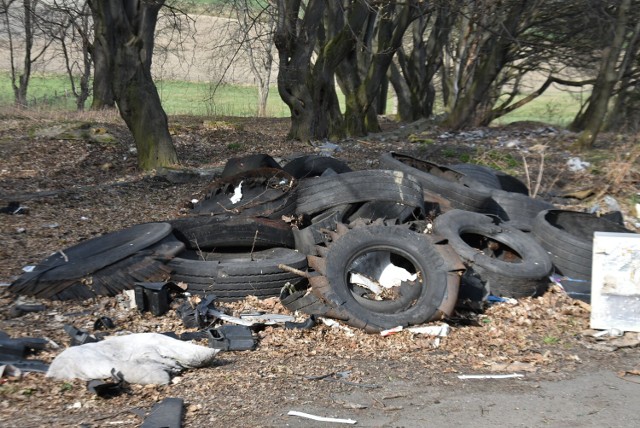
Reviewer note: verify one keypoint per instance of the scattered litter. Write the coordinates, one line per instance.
(327, 148)
(321, 418)
(237, 194)
(14, 208)
(612, 332)
(232, 338)
(21, 309)
(167, 413)
(51, 225)
(79, 337)
(496, 299)
(576, 164)
(363, 281)
(307, 324)
(391, 331)
(105, 323)
(108, 389)
(335, 324)
(154, 296)
(28, 268)
(235, 320)
(441, 330)
(129, 301)
(492, 376)
(9, 370)
(76, 405)
(268, 319)
(513, 144)
(612, 204)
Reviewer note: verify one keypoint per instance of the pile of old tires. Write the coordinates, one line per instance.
(395, 246)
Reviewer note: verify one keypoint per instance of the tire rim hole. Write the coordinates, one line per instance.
(491, 247)
(381, 275)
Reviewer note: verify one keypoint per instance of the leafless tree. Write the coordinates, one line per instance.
(20, 27)
(68, 23)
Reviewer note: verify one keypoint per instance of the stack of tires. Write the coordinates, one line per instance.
(380, 248)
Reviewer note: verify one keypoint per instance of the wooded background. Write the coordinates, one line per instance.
(476, 60)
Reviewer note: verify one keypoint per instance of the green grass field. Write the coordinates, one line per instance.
(191, 98)
(553, 107)
(178, 97)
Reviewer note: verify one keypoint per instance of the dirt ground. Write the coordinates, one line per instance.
(77, 187)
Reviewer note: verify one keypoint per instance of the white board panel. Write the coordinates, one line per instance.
(615, 281)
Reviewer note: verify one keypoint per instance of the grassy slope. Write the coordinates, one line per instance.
(181, 97)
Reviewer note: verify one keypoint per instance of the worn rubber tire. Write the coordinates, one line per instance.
(266, 192)
(568, 237)
(442, 181)
(90, 256)
(234, 276)
(314, 166)
(420, 252)
(322, 193)
(516, 209)
(145, 265)
(526, 276)
(215, 232)
(484, 176)
(247, 163)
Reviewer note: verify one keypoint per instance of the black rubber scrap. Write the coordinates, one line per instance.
(480, 176)
(508, 260)
(224, 231)
(322, 193)
(90, 255)
(74, 283)
(444, 182)
(168, 413)
(247, 163)
(314, 166)
(265, 192)
(237, 275)
(515, 208)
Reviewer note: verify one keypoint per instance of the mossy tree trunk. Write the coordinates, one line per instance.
(592, 120)
(364, 71)
(307, 88)
(129, 29)
(102, 51)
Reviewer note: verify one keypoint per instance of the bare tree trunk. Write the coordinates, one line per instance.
(363, 74)
(102, 51)
(422, 63)
(625, 113)
(258, 28)
(592, 120)
(131, 32)
(307, 89)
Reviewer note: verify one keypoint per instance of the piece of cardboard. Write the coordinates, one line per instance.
(615, 282)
